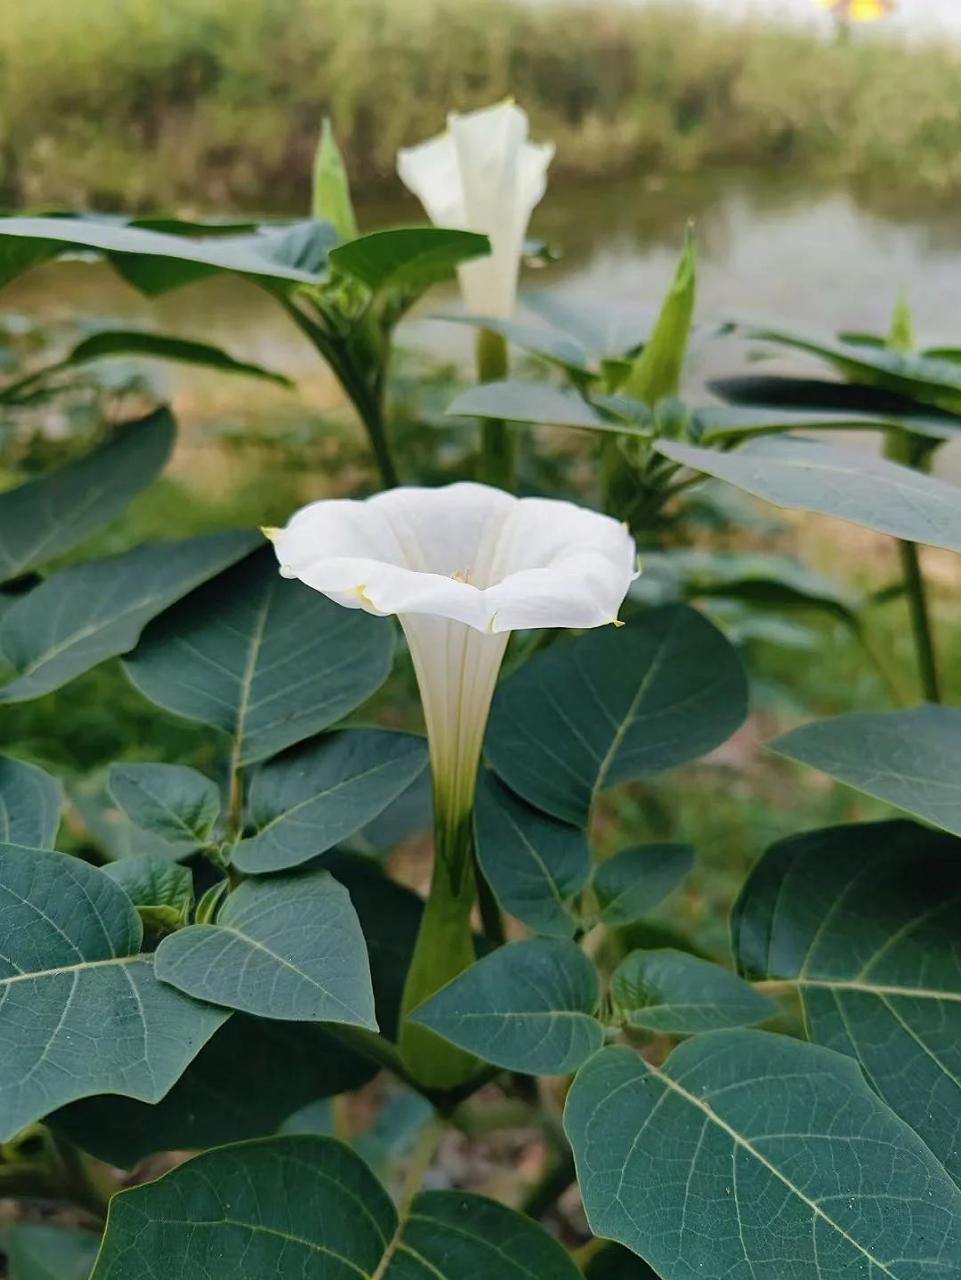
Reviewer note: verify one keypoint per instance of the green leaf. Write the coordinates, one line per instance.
(309, 1207)
(262, 657)
(614, 705)
(331, 197)
(37, 1252)
(850, 484)
(605, 330)
(633, 882)
(162, 892)
(533, 863)
(408, 259)
(390, 918)
(310, 799)
(863, 920)
(288, 948)
(30, 804)
(907, 758)
(836, 397)
(657, 371)
(221, 1097)
(81, 1012)
(751, 1155)
(921, 378)
(558, 348)
(94, 611)
(40, 239)
(677, 993)
(758, 578)
(172, 801)
(531, 402)
(48, 516)
(723, 425)
(160, 346)
(527, 1007)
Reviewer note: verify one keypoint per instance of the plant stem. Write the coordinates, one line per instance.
(443, 950)
(368, 401)
(915, 590)
(914, 451)
(498, 446)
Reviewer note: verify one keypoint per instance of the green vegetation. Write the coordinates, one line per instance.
(200, 104)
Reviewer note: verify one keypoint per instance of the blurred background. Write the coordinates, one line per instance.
(815, 144)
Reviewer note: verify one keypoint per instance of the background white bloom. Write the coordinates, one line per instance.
(482, 175)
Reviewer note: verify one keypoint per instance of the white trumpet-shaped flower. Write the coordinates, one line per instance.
(482, 175)
(461, 567)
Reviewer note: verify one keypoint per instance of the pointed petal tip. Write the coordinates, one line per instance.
(270, 533)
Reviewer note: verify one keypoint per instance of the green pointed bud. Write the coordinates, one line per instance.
(331, 198)
(901, 334)
(656, 372)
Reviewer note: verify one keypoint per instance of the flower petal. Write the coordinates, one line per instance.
(432, 173)
(465, 552)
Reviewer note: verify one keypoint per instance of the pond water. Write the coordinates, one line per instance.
(769, 249)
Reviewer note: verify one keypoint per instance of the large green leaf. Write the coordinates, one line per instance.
(528, 1007)
(751, 1155)
(864, 920)
(81, 1012)
(614, 705)
(171, 801)
(408, 259)
(534, 863)
(30, 804)
(289, 948)
(90, 612)
(854, 485)
(27, 241)
(675, 992)
(634, 881)
(162, 346)
(50, 515)
(309, 1207)
(534, 402)
(37, 1252)
(313, 797)
(911, 759)
(244, 1083)
(264, 658)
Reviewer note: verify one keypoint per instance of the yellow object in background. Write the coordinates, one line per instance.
(857, 10)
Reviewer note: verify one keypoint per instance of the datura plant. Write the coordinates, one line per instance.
(237, 1037)
(461, 567)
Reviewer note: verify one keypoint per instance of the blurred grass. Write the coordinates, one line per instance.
(215, 104)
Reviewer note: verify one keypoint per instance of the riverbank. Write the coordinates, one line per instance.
(214, 104)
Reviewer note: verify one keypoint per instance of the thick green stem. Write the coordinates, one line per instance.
(498, 445)
(444, 949)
